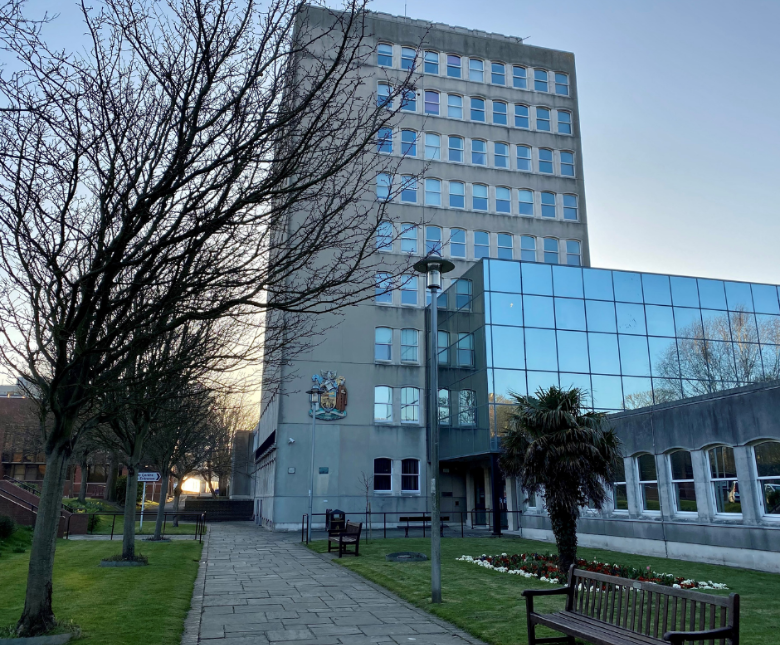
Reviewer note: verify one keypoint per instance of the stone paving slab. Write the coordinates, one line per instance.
(262, 588)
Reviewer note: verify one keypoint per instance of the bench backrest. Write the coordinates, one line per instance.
(353, 528)
(647, 608)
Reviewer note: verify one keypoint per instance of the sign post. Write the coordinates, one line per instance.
(146, 477)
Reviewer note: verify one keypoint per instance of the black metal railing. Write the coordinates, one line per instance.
(33, 490)
(474, 519)
(94, 519)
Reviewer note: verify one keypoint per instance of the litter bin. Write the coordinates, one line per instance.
(335, 520)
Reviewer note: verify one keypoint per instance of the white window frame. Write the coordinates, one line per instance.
(410, 405)
(481, 246)
(557, 252)
(566, 164)
(527, 116)
(516, 79)
(453, 233)
(429, 249)
(408, 184)
(426, 102)
(486, 197)
(410, 284)
(578, 254)
(410, 233)
(675, 482)
(459, 66)
(483, 152)
(454, 108)
(406, 58)
(431, 183)
(384, 237)
(378, 45)
(546, 80)
(772, 517)
(405, 334)
(497, 156)
(500, 246)
(641, 483)
(567, 84)
(566, 123)
(450, 194)
(505, 113)
(548, 120)
(502, 74)
(476, 67)
(432, 146)
(383, 491)
(461, 150)
(713, 480)
(427, 62)
(385, 345)
(388, 405)
(415, 475)
(508, 200)
(524, 250)
(483, 111)
(407, 145)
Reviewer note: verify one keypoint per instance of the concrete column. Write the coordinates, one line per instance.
(746, 475)
(701, 477)
(469, 497)
(511, 503)
(395, 477)
(632, 488)
(665, 492)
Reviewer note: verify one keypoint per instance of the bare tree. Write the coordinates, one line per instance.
(194, 161)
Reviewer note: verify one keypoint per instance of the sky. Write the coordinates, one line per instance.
(679, 104)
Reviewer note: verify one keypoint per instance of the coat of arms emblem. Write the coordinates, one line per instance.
(333, 400)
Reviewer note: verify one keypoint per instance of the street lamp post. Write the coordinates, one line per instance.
(434, 267)
(314, 399)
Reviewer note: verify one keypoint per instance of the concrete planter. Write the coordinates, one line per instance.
(38, 640)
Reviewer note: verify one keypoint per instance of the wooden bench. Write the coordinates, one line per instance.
(420, 519)
(607, 610)
(350, 535)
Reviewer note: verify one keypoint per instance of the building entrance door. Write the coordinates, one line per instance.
(480, 517)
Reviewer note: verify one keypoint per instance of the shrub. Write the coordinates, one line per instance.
(7, 527)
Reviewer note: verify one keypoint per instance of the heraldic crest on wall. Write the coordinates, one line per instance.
(333, 400)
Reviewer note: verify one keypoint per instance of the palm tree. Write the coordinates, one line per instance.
(562, 452)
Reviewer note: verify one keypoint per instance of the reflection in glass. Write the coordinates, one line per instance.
(573, 351)
(567, 281)
(770, 357)
(619, 489)
(663, 357)
(541, 381)
(765, 299)
(738, 296)
(538, 311)
(723, 475)
(506, 309)
(648, 483)
(768, 328)
(540, 351)
(712, 294)
(537, 279)
(685, 292)
(768, 469)
(634, 357)
(581, 381)
(656, 289)
(508, 347)
(601, 316)
(660, 320)
(682, 481)
(666, 390)
(504, 276)
(630, 318)
(743, 327)
(506, 382)
(748, 362)
(687, 322)
(569, 314)
(604, 357)
(607, 392)
(628, 286)
(598, 284)
(715, 324)
(637, 392)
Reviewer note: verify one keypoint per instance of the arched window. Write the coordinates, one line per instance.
(409, 238)
(455, 149)
(481, 244)
(564, 122)
(570, 208)
(561, 83)
(619, 489)
(501, 155)
(522, 117)
(567, 163)
(519, 77)
(409, 289)
(543, 119)
(526, 201)
(503, 200)
(457, 243)
(540, 80)
(682, 482)
(384, 140)
(384, 236)
(431, 102)
(498, 73)
(383, 344)
(499, 113)
(431, 62)
(432, 240)
(410, 405)
(768, 468)
(383, 290)
(524, 158)
(723, 480)
(479, 197)
(573, 253)
(462, 294)
(551, 250)
(648, 482)
(383, 475)
(505, 244)
(383, 186)
(457, 194)
(444, 407)
(410, 476)
(453, 66)
(528, 248)
(409, 189)
(383, 403)
(409, 101)
(432, 146)
(477, 109)
(454, 106)
(546, 161)
(476, 70)
(383, 98)
(479, 152)
(384, 55)
(408, 56)
(548, 205)
(410, 344)
(433, 192)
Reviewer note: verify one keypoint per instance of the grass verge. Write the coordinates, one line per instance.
(121, 606)
(488, 604)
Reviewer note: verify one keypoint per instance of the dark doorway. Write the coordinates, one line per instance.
(480, 516)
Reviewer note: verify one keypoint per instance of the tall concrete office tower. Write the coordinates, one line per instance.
(490, 165)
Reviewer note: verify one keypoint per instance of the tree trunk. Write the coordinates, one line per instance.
(38, 615)
(564, 527)
(176, 499)
(223, 485)
(161, 508)
(113, 473)
(128, 531)
(83, 488)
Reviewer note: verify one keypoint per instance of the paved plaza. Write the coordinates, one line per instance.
(256, 587)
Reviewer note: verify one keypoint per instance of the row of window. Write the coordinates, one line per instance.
(478, 109)
(456, 243)
(460, 352)
(383, 475)
(473, 69)
(479, 152)
(465, 402)
(478, 197)
(722, 484)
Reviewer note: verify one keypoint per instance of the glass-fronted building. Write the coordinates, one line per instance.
(629, 340)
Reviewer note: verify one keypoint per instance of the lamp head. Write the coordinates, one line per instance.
(434, 267)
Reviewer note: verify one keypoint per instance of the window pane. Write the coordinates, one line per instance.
(431, 102)
(526, 201)
(498, 74)
(456, 149)
(457, 194)
(453, 66)
(501, 155)
(479, 197)
(520, 77)
(476, 70)
(768, 459)
(543, 119)
(522, 118)
(431, 63)
(481, 244)
(477, 109)
(409, 189)
(384, 140)
(458, 243)
(682, 468)
(479, 152)
(564, 122)
(499, 113)
(433, 192)
(409, 143)
(540, 80)
(454, 106)
(561, 84)
(384, 55)
(647, 471)
(722, 462)
(407, 58)
(432, 146)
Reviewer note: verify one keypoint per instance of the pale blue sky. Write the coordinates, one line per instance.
(679, 106)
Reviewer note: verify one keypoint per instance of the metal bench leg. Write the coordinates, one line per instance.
(341, 547)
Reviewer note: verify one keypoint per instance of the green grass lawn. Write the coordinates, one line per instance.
(121, 606)
(489, 606)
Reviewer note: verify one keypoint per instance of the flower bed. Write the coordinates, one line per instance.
(544, 566)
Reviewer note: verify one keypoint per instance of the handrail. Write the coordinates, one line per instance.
(31, 489)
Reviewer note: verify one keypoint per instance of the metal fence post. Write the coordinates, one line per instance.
(113, 522)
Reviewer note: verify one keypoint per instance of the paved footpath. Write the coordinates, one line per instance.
(256, 587)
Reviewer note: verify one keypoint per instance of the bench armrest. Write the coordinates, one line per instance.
(528, 593)
(677, 638)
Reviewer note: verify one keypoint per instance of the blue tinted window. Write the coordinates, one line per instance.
(541, 381)
(601, 316)
(569, 314)
(660, 320)
(637, 392)
(630, 318)
(540, 350)
(598, 284)
(604, 357)
(685, 293)
(765, 299)
(738, 296)
(508, 347)
(628, 287)
(712, 294)
(537, 279)
(770, 357)
(715, 324)
(567, 281)
(663, 357)
(634, 358)
(687, 322)
(504, 276)
(538, 311)
(507, 382)
(666, 390)
(607, 392)
(573, 351)
(506, 309)
(581, 381)
(768, 328)
(656, 289)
